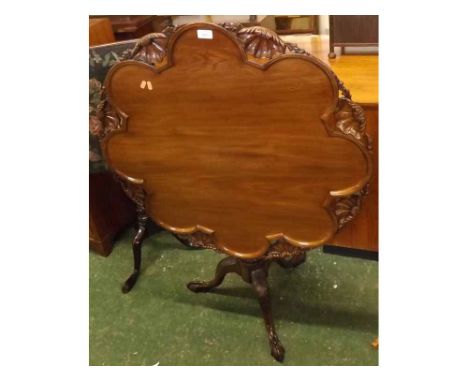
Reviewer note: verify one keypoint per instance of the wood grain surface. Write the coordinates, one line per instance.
(227, 145)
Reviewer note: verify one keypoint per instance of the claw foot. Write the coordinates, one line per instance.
(129, 284)
(198, 286)
(277, 350)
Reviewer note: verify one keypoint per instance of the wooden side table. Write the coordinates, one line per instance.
(130, 27)
(296, 24)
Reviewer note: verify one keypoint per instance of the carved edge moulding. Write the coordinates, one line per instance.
(261, 47)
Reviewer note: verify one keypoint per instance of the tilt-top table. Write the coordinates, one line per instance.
(235, 140)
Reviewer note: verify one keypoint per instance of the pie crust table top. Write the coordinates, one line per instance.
(236, 136)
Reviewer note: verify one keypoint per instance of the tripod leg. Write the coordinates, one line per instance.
(137, 241)
(260, 285)
(225, 266)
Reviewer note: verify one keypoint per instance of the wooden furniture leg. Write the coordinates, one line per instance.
(260, 286)
(137, 241)
(225, 266)
(332, 53)
(256, 274)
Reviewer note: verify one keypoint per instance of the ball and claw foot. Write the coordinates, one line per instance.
(277, 350)
(198, 286)
(130, 283)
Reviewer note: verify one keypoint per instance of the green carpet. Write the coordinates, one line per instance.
(326, 310)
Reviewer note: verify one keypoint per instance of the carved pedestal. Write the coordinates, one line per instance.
(255, 273)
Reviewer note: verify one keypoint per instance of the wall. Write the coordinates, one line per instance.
(178, 20)
(323, 20)
(324, 24)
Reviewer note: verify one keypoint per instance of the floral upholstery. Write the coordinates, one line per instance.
(101, 59)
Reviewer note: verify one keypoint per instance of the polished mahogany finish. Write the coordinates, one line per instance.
(248, 151)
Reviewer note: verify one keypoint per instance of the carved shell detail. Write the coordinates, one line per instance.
(342, 88)
(170, 30)
(346, 208)
(351, 120)
(133, 191)
(281, 249)
(108, 116)
(293, 48)
(231, 27)
(257, 41)
(151, 48)
(198, 239)
(261, 42)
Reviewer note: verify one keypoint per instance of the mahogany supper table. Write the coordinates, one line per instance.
(235, 140)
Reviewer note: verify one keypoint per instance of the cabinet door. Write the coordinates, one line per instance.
(356, 29)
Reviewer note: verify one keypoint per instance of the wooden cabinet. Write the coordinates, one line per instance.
(130, 27)
(110, 211)
(296, 24)
(100, 32)
(353, 31)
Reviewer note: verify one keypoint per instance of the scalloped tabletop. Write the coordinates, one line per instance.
(222, 145)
